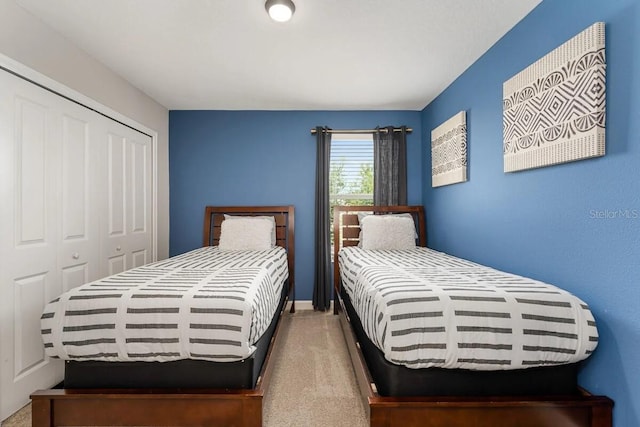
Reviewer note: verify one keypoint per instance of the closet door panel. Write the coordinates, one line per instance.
(128, 236)
(75, 178)
(140, 213)
(140, 257)
(74, 276)
(32, 200)
(81, 185)
(116, 264)
(31, 166)
(117, 184)
(33, 267)
(30, 139)
(116, 223)
(79, 256)
(29, 300)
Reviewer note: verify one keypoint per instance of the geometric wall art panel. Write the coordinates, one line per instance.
(554, 110)
(449, 151)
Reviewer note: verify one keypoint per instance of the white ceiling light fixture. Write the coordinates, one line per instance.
(280, 10)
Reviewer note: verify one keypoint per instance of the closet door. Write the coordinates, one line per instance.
(127, 237)
(30, 137)
(75, 206)
(82, 180)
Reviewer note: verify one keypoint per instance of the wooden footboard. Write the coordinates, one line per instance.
(582, 410)
(147, 408)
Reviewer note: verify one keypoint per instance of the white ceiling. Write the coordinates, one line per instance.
(333, 54)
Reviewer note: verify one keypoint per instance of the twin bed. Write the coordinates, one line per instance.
(440, 341)
(183, 341)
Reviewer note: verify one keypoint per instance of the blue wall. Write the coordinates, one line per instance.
(546, 223)
(262, 158)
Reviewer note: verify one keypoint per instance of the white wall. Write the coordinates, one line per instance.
(27, 40)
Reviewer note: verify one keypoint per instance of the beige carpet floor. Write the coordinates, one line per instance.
(22, 418)
(313, 384)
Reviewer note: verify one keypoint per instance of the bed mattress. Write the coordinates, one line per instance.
(425, 309)
(186, 373)
(395, 380)
(205, 304)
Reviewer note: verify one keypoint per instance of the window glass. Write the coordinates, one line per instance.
(351, 171)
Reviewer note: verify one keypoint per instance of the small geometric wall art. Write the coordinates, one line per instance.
(449, 151)
(554, 110)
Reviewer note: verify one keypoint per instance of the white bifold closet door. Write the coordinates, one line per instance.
(127, 238)
(75, 206)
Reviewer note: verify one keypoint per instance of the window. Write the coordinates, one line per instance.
(350, 172)
(351, 169)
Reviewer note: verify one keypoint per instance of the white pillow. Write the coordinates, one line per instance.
(270, 218)
(362, 215)
(387, 232)
(248, 233)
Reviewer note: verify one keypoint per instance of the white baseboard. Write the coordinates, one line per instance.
(305, 305)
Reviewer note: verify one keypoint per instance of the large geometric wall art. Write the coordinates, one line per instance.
(554, 110)
(449, 151)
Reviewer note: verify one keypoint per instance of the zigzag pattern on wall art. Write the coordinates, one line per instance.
(554, 110)
(449, 151)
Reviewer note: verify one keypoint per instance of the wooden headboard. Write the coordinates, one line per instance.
(346, 230)
(285, 225)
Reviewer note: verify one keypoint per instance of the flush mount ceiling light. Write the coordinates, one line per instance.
(280, 10)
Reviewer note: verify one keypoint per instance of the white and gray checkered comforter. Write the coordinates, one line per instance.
(424, 308)
(205, 304)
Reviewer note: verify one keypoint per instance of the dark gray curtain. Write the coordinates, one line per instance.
(322, 283)
(390, 167)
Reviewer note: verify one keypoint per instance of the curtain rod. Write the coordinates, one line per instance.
(383, 130)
